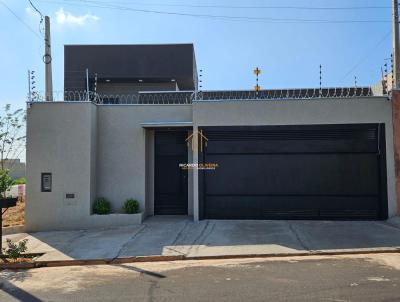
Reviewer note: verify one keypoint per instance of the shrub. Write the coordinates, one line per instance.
(15, 250)
(5, 182)
(20, 181)
(131, 206)
(101, 206)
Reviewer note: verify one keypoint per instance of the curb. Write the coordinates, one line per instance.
(302, 254)
(135, 259)
(110, 261)
(16, 229)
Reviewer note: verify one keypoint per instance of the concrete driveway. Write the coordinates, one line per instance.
(164, 235)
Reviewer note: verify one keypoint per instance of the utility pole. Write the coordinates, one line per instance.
(47, 61)
(396, 53)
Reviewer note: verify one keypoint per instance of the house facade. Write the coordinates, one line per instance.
(16, 167)
(132, 124)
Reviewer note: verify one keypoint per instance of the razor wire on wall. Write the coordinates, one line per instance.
(187, 97)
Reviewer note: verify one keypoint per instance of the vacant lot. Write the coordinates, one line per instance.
(16, 215)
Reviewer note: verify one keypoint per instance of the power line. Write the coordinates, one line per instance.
(34, 7)
(220, 17)
(21, 20)
(362, 60)
(241, 6)
(41, 17)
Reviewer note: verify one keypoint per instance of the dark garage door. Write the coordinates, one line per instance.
(294, 172)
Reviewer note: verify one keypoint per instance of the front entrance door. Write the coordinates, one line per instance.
(171, 182)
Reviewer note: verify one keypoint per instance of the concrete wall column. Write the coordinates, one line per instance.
(149, 164)
(195, 177)
(190, 180)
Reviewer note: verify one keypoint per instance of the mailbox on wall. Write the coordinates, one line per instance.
(46, 182)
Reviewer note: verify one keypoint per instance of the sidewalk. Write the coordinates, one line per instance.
(176, 236)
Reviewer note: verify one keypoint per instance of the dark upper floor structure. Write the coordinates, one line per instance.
(161, 73)
(127, 69)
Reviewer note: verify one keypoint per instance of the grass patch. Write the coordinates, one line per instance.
(16, 215)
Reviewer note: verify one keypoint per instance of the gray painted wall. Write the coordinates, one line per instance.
(60, 140)
(103, 150)
(121, 160)
(92, 151)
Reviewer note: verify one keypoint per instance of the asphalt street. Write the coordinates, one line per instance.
(340, 278)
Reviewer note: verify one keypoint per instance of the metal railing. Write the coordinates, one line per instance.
(187, 97)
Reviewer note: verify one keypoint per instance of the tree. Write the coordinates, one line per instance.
(12, 136)
(12, 144)
(5, 182)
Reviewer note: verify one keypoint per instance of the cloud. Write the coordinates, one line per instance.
(64, 17)
(29, 11)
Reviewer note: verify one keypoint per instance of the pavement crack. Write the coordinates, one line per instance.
(205, 232)
(142, 228)
(201, 233)
(81, 234)
(180, 233)
(205, 236)
(293, 230)
(174, 250)
(152, 288)
(388, 225)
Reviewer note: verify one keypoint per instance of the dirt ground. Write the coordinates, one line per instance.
(16, 215)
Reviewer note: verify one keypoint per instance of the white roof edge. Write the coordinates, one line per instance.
(166, 124)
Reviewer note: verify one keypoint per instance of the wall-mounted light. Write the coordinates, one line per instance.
(108, 80)
(173, 80)
(140, 81)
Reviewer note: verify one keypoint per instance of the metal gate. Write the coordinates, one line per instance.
(170, 181)
(294, 172)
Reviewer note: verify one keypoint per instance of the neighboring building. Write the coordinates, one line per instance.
(276, 154)
(384, 85)
(16, 167)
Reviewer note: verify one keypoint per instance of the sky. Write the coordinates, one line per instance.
(288, 51)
